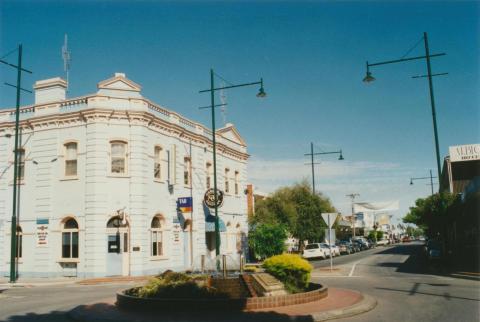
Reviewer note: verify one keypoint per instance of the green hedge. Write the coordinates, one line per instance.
(176, 285)
(292, 270)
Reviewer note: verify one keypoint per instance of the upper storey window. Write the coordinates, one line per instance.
(118, 157)
(70, 159)
(227, 178)
(157, 167)
(186, 171)
(21, 165)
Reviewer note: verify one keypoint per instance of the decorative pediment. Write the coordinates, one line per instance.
(230, 132)
(119, 82)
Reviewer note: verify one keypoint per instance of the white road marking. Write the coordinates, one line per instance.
(353, 269)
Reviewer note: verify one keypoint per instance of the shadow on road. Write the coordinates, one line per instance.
(416, 263)
(415, 291)
(109, 313)
(54, 316)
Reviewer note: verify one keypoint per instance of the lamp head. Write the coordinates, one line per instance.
(368, 78)
(341, 156)
(261, 91)
(411, 182)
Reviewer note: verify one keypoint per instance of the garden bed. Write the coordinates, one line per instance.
(314, 293)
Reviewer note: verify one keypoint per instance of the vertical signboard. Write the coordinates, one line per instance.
(42, 232)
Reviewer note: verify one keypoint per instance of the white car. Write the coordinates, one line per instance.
(383, 242)
(314, 250)
(335, 249)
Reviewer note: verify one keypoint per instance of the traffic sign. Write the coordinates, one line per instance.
(329, 218)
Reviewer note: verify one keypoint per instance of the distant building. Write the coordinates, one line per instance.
(461, 176)
(105, 181)
(460, 167)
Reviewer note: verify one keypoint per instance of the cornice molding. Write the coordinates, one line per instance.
(139, 118)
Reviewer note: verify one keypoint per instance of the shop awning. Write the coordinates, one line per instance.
(210, 224)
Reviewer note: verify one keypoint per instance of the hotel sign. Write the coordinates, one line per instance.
(467, 152)
(209, 198)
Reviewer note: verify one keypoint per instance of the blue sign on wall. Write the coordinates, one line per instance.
(184, 204)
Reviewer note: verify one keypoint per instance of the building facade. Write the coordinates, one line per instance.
(101, 178)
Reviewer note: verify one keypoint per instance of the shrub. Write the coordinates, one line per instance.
(292, 270)
(267, 240)
(176, 285)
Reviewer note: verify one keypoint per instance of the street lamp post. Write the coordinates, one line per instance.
(354, 217)
(431, 177)
(261, 93)
(13, 243)
(312, 154)
(369, 78)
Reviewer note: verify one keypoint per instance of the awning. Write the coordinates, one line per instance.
(210, 224)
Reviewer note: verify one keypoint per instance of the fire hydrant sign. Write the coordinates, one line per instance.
(42, 232)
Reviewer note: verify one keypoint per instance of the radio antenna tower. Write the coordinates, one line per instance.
(223, 100)
(66, 58)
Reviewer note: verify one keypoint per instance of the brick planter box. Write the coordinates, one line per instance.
(128, 302)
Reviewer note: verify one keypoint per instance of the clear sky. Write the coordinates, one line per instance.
(312, 57)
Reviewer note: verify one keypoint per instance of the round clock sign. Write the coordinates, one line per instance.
(209, 198)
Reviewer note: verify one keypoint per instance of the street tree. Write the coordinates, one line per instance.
(267, 239)
(298, 209)
(430, 214)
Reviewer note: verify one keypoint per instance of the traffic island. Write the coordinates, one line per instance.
(338, 304)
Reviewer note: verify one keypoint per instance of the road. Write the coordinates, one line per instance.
(404, 285)
(399, 277)
(51, 303)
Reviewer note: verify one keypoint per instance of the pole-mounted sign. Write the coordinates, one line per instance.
(329, 218)
(209, 198)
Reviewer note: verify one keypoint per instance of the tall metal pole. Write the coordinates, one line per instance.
(191, 198)
(313, 168)
(13, 243)
(432, 102)
(431, 180)
(352, 196)
(212, 97)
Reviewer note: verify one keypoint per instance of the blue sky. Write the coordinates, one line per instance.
(312, 57)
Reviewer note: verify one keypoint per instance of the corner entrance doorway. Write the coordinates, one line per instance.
(117, 247)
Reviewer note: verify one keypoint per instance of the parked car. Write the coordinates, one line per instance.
(405, 239)
(433, 249)
(326, 247)
(360, 244)
(383, 242)
(346, 247)
(336, 250)
(314, 251)
(371, 243)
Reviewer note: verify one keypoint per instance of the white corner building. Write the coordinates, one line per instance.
(100, 180)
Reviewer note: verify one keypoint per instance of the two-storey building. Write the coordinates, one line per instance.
(100, 177)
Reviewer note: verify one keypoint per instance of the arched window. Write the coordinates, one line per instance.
(70, 239)
(157, 168)
(70, 159)
(157, 228)
(118, 156)
(19, 242)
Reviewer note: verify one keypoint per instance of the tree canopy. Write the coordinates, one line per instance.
(430, 213)
(298, 209)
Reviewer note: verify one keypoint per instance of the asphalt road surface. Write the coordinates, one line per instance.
(399, 277)
(406, 286)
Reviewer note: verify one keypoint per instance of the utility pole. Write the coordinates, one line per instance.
(13, 243)
(354, 218)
